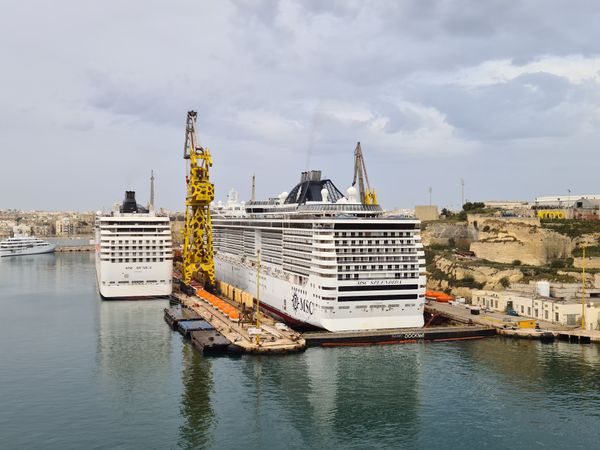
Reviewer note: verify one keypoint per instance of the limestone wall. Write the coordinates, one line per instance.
(505, 240)
(590, 263)
(441, 232)
(489, 277)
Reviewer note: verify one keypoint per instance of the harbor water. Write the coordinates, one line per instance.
(77, 372)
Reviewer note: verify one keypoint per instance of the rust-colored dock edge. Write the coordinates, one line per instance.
(395, 336)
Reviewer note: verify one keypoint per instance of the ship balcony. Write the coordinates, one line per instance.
(328, 245)
(324, 254)
(319, 270)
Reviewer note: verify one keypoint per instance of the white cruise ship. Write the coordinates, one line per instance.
(134, 255)
(326, 260)
(25, 245)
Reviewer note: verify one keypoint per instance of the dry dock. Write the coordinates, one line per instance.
(272, 338)
(396, 336)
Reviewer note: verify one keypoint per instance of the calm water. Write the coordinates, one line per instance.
(76, 372)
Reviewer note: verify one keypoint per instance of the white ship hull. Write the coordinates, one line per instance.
(133, 280)
(325, 260)
(48, 248)
(298, 305)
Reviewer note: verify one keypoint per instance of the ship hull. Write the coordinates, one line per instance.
(50, 248)
(299, 306)
(144, 280)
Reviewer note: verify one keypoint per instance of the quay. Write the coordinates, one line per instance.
(74, 248)
(506, 325)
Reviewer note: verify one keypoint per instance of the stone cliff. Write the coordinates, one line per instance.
(505, 240)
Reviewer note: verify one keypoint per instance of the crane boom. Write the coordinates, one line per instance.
(197, 242)
(367, 195)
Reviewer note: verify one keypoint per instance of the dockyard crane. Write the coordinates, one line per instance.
(197, 241)
(368, 195)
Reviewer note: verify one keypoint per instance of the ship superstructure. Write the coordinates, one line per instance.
(134, 255)
(326, 259)
(25, 245)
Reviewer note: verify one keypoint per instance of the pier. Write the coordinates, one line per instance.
(506, 325)
(234, 336)
(74, 248)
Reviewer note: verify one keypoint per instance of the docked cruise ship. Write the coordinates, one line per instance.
(25, 245)
(134, 255)
(326, 260)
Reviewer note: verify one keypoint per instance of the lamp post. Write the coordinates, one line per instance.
(583, 289)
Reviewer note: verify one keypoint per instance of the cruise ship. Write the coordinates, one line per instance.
(25, 245)
(134, 255)
(326, 260)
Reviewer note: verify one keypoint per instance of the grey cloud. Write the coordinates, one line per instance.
(531, 105)
(118, 80)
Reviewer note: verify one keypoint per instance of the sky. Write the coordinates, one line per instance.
(501, 93)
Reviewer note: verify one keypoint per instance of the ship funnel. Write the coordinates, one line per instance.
(129, 204)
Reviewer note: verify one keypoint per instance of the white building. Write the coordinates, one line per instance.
(555, 310)
(562, 201)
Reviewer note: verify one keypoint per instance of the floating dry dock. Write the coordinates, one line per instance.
(239, 337)
(212, 331)
(395, 336)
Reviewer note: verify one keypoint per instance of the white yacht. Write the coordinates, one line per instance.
(326, 260)
(25, 245)
(134, 255)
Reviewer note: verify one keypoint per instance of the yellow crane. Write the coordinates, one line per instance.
(197, 240)
(367, 195)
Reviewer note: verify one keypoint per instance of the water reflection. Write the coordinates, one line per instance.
(326, 397)
(132, 342)
(558, 368)
(196, 407)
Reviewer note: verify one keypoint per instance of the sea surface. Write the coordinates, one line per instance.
(80, 373)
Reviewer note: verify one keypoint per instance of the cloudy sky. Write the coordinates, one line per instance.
(502, 93)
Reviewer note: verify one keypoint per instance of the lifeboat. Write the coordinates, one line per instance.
(438, 296)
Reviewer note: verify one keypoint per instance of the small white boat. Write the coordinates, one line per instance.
(25, 245)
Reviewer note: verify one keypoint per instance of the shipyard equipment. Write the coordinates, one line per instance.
(367, 194)
(197, 241)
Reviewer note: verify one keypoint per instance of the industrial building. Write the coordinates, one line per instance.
(564, 308)
(561, 201)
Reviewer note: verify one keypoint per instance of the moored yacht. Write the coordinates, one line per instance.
(25, 245)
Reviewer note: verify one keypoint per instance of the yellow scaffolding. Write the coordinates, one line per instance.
(197, 241)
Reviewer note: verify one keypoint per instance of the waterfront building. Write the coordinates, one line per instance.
(561, 311)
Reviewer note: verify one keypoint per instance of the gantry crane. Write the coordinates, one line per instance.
(197, 241)
(368, 195)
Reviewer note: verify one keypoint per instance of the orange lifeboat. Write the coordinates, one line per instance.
(444, 298)
(438, 296)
